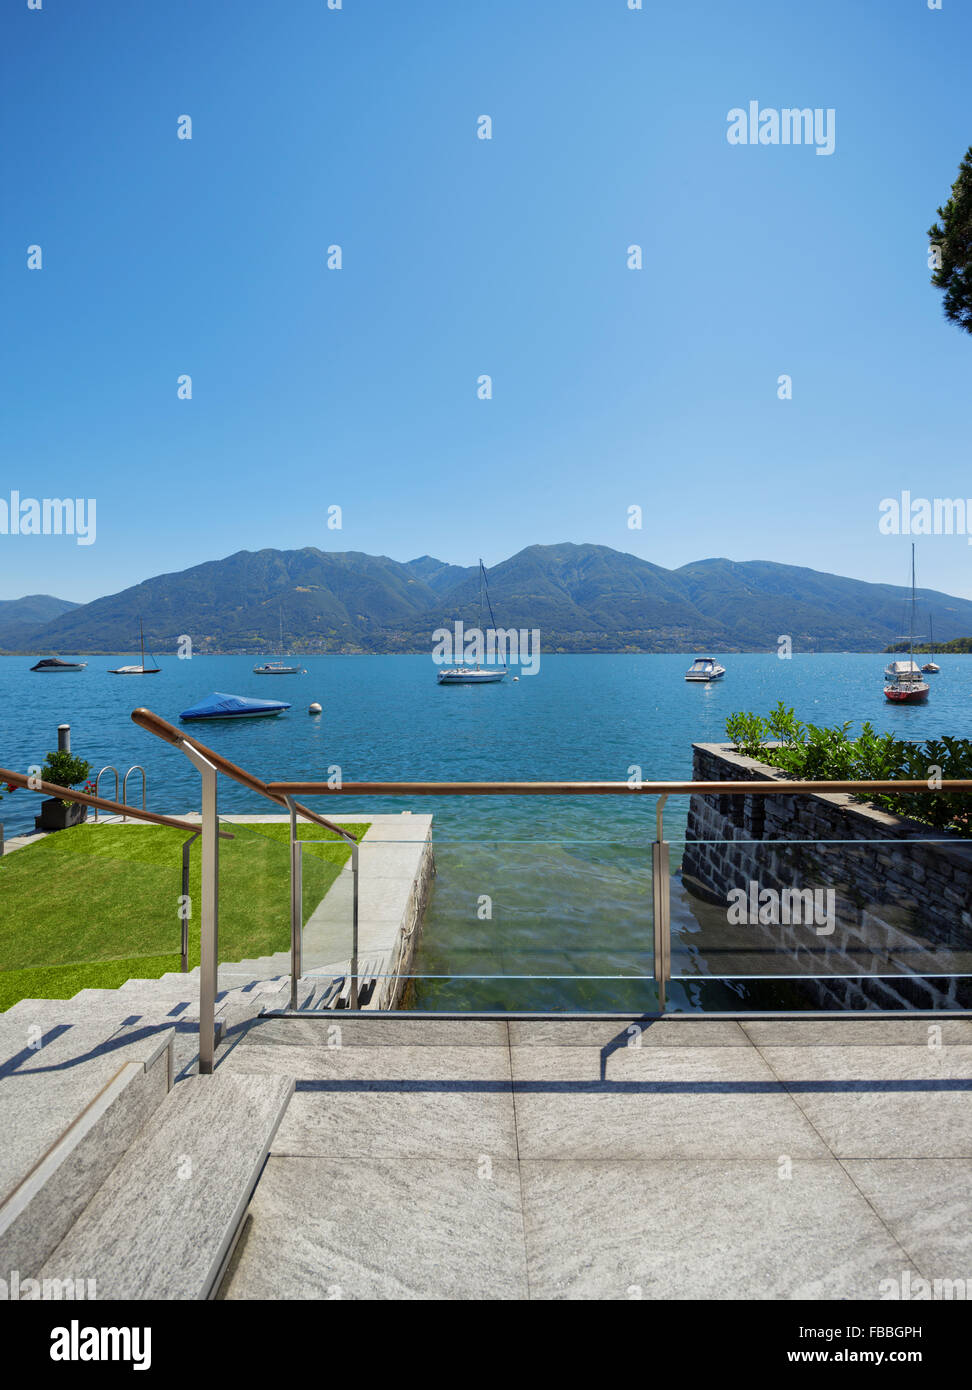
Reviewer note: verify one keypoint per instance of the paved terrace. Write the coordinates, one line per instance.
(399, 1157)
(716, 1159)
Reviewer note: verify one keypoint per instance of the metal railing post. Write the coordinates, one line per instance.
(661, 888)
(296, 904)
(209, 911)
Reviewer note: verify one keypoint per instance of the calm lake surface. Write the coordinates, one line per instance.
(542, 862)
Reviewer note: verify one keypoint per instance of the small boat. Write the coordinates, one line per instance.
(277, 668)
(219, 705)
(705, 668)
(476, 675)
(905, 685)
(930, 668)
(54, 663)
(470, 675)
(141, 669)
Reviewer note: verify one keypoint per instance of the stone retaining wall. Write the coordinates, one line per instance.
(393, 989)
(903, 904)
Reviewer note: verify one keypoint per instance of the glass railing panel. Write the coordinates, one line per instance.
(91, 907)
(497, 925)
(327, 908)
(850, 924)
(254, 898)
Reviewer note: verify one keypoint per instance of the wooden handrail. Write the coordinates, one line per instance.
(782, 788)
(155, 724)
(18, 779)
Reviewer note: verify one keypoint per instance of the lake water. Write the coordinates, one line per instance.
(384, 718)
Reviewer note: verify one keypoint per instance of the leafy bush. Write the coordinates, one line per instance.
(813, 753)
(64, 770)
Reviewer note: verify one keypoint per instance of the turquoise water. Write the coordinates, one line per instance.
(385, 718)
(576, 902)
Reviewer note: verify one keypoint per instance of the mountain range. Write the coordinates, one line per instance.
(582, 598)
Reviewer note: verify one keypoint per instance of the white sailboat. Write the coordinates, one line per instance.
(476, 675)
(931, 668)
(141, 669)
(905, 685)
(277, 668)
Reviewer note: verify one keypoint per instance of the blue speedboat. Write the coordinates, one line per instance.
(222, 706)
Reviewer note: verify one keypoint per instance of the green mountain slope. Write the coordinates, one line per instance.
(581, 597)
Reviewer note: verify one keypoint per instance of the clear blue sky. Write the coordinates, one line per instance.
(461, 257)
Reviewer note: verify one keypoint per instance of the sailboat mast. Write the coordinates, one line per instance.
(912, 635)
(141, 642)
(482, 573)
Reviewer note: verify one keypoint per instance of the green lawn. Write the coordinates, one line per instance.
(93, 906)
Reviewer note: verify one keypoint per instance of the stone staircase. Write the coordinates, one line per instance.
(120, 1164)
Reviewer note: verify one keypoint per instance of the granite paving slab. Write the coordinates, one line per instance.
(654, 1102)
(725, 1229)
(635, 1032)
(882, 1102)
(926, 1204)
(385, 1031)
(856, 1032)
(426, 1228)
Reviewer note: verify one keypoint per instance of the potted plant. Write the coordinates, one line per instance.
(64, 770)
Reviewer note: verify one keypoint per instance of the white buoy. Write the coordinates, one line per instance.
(516, 678)
(314, 708)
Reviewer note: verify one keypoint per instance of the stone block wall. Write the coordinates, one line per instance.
(903, 898)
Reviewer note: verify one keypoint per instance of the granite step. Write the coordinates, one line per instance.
(72, 1096)
(163, 1224)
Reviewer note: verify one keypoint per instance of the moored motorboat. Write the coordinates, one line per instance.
(470, 675)
(705, 668)
(219, 705)
(54, 663)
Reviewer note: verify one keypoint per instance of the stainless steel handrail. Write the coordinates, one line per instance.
(107, 768)
(136, 767)
(100, 803)
(210, 763)
(284, 793)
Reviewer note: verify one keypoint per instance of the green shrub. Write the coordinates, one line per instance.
(813, 754)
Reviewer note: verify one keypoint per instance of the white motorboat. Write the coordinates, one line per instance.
(470, 675)
(705, 668)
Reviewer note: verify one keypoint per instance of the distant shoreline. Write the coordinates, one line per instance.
(626, 651)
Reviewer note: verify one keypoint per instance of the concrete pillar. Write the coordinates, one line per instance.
(64, 738)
